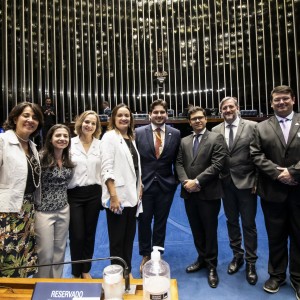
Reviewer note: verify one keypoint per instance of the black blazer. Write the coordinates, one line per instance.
(269, 150)
(239, 165)
(206, 166)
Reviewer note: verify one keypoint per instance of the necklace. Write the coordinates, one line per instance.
(35, 169)
(23, 140)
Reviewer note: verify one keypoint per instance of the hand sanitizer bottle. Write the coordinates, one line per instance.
(156, 277)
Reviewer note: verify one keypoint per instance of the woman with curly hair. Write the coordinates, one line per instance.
(20, 176)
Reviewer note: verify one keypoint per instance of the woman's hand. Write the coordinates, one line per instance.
(114, 204)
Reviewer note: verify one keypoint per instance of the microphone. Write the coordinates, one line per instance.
(125, 273)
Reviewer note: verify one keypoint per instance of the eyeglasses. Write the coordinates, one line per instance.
(284, 99)
(197, 118)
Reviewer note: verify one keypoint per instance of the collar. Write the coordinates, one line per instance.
(289, 117)
(162, 128)
(201, 132)
(234, 123)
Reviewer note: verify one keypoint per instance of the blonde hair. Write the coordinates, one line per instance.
(80, 120)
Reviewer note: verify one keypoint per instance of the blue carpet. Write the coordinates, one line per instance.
(180, 252)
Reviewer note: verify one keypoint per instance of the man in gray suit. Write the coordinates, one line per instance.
(158, 145)
(239, 183)
(199, 162)
(276, 152)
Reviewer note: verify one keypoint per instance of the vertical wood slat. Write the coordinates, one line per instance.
(41, 60)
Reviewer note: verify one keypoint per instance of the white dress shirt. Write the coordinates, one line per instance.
(87, 169)
(235, 125)
(162, 134)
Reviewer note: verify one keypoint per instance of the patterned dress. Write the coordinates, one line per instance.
(17, 236)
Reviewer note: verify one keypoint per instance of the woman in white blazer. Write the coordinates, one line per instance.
(20, 176)
(121, 177)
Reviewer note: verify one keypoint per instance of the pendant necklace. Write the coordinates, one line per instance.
(35, 169)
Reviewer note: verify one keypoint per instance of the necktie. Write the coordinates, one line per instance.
(196, 144)
(285, 126)
(230, 141)
(158, 143)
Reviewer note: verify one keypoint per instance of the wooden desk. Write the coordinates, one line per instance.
(22, 288)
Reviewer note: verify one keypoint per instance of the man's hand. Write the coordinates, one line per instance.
(191, 186)
(285, 176)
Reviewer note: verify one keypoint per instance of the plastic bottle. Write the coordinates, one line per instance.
(156, 277)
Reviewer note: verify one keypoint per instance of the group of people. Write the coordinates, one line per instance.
(235, 162)
(134, 173)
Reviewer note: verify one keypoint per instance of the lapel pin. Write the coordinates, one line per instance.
(297, 124)
(170, 133)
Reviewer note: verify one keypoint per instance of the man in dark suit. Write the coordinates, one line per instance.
(106, 108)
(239, 184)
(49, 117)
(276, 152)
(158, 145)
(200, 160)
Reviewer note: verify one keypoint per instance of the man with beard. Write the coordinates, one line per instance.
(158, 145)
(239, 184)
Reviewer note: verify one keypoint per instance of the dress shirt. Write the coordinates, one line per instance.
(199, 135)
(162, 134)
(235, 125)
(285, 124)
(87, 169)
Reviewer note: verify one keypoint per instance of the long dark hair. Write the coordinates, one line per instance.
(47, 153)
(17, 111)
(112, 120)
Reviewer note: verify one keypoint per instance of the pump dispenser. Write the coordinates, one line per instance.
(156, 277)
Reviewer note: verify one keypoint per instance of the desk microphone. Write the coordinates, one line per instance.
(125, 273)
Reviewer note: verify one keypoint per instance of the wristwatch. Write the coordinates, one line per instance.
(197, 183)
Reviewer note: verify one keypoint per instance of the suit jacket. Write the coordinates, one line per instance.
(117, 164)
(162, 168)
(269, 151)
(239, 164)
(205, 166)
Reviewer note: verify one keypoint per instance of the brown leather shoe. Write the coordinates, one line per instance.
(144, 260)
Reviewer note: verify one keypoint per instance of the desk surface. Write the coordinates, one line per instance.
(22, 288)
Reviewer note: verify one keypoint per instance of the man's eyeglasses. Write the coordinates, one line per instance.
(284, 99)
(197, 118)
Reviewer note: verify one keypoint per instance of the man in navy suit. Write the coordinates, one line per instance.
(200, 159)
(276, 153)
(158, 145)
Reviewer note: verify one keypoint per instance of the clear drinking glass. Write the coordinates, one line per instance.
(113, 282)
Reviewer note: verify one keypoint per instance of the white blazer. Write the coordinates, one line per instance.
(13, 172)
(117, 164)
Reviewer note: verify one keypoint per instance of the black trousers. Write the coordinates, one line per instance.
(121, 233)
(283, 223)
(156, 205)
(241, 203)
(203, 219)
(85, 205)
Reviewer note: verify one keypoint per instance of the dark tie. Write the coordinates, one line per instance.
(285, 128)
(230, 141)
(196, 144)
(158, 142)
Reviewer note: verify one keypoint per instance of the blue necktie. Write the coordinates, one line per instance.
(196, 144)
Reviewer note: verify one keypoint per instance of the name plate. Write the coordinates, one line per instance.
(67, 290)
